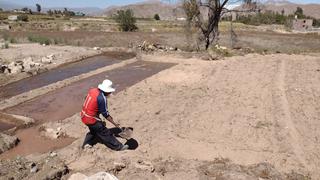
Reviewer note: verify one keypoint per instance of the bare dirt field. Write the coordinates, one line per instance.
(249, 109)
(259, 41)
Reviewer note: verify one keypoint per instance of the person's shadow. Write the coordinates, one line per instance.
(132, 143)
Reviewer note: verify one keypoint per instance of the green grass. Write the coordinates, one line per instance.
(39, 39)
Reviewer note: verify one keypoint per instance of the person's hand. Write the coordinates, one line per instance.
(117, 125)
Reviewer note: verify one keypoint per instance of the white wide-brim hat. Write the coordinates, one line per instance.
(106, 86)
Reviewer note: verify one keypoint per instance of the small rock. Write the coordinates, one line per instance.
(3, 68)
(97, 48)
(57, 171)
(46, 60)
(87, 146)
(145, 166)
(28, 64)
(33, 168)
(118, 166)
(7, 142)
(53, 154)
(53, 133)
(172, 48)
(15, 67)
(102, 176)
(78, 176)
(35, 71)
(37, 64)
(151, 47)
(51, 56)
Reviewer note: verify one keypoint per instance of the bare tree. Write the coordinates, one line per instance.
(209, 26)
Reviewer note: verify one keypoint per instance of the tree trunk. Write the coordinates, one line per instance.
(207, 42)
(211, 37)
(215, 33)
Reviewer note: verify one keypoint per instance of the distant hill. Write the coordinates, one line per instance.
(149, 9)
(171, 11)
(6, 5)
(168, 11)
(92, 11)
(312, 10)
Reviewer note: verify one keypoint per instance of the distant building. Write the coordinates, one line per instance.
(79, 14)
(302, 24)
(13, 18)
(19, 11)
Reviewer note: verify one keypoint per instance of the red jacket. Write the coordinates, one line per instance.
(95, 104)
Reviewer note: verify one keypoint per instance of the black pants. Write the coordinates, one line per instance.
(100, 134)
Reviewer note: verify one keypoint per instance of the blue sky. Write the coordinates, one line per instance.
(98, 3)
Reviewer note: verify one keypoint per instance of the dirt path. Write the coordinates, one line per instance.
(294, 137)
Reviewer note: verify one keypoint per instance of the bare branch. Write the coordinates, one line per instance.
(216, 8)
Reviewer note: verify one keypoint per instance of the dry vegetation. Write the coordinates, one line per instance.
(104, 33)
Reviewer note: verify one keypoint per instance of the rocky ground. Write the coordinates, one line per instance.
(22, 60)
(7, 142)
(244, 117)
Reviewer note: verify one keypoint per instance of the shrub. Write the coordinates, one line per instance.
(23, 17)
(40, 40)
(156, 17)
(5, 45)
(264, 18)
(56, 41)
(13, 40)
(126, 20)
(3, 17)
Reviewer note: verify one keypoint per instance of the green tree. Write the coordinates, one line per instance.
(38, 8)
(156, 17)
(23, 17)
(299, 13)
(126, 20)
